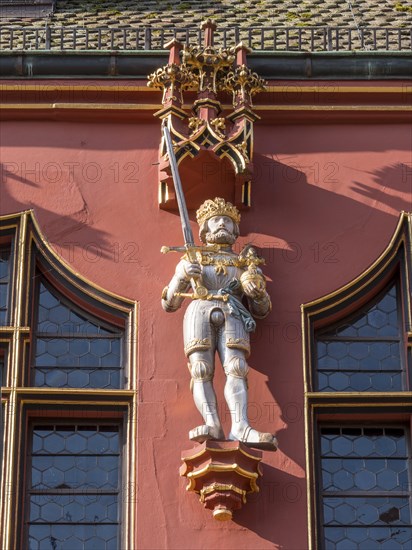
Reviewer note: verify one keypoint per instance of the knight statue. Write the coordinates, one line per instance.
(217, 320)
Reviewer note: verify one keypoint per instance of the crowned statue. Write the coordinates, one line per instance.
(217, 321)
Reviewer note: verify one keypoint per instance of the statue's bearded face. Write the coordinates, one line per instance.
(221, 230)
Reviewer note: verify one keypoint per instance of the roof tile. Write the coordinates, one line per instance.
(166, 14)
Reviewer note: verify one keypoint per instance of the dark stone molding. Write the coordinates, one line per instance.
(273, 66)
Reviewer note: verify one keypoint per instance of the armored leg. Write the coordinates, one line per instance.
(202, 370)
(236, 396)
(199, 339)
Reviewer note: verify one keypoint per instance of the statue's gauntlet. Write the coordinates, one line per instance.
(184, 271)
(257, 279)
(254, 286)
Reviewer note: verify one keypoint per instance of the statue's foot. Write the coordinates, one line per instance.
(257, 440)
(204, 432)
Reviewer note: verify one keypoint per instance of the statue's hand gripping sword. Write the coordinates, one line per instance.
(199, 291)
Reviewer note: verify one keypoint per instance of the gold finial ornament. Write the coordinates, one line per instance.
(207, 70)
(217, 207)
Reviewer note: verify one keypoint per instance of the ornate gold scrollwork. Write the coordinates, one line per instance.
(219, 126)
(208, 71)
(170, 74)
(166, 78)
(195, 123)
(243, 83)
(243, 149)
(206, 63)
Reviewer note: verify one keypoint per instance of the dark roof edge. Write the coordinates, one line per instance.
(271, 65)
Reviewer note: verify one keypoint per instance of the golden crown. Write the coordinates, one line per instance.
(217, 207)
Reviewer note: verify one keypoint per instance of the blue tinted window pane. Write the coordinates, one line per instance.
(54, 316)
(78, 352)
(358, 356)
(368, 443)
(72, 351)
(3, 297)
(359, 366)
(4, 264)
(352, 358)
(368, 538)
(360, 466)
(77, 378)
(3, 365)
(364, 474)
(74, 486)
(90, 508)
(379, 320)
(4, 284)
(72, 472)
(76, 440)
(346, 381)
(381, 511)
(71, 537)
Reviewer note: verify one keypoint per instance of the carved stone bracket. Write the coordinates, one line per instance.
(223, 473)
(206, 134)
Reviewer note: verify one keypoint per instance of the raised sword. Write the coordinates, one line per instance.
(199, 291)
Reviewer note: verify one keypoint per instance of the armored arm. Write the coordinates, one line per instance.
(180, 283)
(260, 307)
(254, 286)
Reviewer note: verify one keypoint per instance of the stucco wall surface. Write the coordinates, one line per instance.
(326, 200)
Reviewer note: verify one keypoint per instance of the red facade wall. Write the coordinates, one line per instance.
(326, 199)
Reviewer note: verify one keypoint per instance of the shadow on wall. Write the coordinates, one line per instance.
(394, 180)
(289, 205)
(280, 493)
(60, 224)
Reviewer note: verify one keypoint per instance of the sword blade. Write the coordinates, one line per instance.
(181, 203)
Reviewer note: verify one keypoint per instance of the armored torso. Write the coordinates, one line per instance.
(219, 269)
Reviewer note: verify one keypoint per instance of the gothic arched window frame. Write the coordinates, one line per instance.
(24, 405)
(347, 410)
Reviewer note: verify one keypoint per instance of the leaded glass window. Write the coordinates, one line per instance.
(3, 365)
(74, 489)
(366, 488)
(5, 257)
(64, 358)
(72, 350)
(364, 353)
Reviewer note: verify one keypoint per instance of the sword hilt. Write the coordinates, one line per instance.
(199, 290)
(203, 248)
(207, 296)
(167, 249)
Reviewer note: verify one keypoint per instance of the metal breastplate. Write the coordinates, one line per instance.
(215, 281)
(219, 269)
